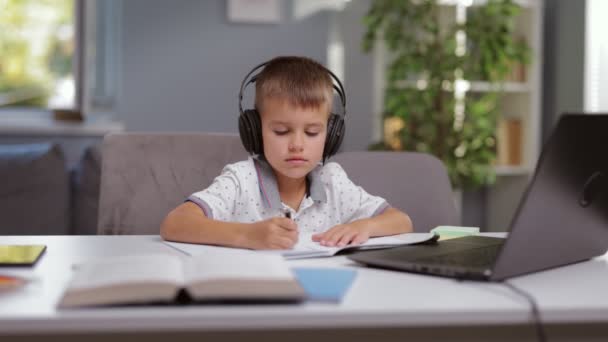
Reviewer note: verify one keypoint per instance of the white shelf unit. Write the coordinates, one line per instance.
(506, 87)
(521, 100)
(506, 170)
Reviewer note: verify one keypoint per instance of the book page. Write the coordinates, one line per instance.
(306, 246)
(195, 249)
(253, 276)
(237, 266)
(305, 242)
(157, 268)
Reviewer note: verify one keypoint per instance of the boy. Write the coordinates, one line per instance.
(267, 200)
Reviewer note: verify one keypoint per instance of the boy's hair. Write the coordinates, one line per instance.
(299, 80)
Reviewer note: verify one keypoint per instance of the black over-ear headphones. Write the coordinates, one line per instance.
(250, 125)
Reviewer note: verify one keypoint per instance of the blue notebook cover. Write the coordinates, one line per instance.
(325, 284)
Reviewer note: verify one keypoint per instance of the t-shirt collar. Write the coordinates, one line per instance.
(269, 189)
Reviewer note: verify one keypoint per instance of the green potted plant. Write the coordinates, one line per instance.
(429, 63)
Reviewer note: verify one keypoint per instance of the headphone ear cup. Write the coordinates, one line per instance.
(256, 124)
(250, 131)
(245, 132)
(335, 135)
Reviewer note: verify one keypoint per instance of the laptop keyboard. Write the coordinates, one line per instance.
(482, 257)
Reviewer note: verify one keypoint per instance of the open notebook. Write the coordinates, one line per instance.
(306, 248)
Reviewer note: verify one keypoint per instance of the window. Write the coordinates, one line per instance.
(38, 46)
(596, 56)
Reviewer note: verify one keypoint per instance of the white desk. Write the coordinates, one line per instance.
(381, 304)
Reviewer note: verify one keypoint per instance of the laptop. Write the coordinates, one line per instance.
(562, 218)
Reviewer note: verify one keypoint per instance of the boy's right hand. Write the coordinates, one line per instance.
(274, 233)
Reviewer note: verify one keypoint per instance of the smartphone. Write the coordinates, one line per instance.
(20, 255)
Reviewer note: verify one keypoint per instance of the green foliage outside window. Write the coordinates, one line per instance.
(36, 49)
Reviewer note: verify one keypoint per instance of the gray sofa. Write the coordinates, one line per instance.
(39, 195)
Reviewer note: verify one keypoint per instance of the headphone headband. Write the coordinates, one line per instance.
(244, 84)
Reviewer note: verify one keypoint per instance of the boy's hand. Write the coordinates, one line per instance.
(342, 235)
(274, 233)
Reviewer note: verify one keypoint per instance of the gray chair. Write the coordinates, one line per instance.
(145, 175)
(416, 183)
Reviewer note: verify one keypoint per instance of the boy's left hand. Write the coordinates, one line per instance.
(342, 235)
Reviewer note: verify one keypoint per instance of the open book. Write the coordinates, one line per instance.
(306, 248)
(161, 278)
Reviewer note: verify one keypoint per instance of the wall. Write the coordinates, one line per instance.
(358, 75)
(564, 60)
(183, 61)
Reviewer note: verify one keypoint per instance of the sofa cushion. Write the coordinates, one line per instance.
(34, 195)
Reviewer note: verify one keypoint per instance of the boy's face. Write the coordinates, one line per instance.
(293, 137)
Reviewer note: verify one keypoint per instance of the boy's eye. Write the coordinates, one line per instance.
(283, 132)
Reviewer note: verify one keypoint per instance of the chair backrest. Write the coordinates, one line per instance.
(415, 183)
(145, 175)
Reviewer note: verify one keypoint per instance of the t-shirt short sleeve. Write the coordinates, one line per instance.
(219, 199)
(353, 202)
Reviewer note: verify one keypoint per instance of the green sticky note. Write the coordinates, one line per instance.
(451, 232)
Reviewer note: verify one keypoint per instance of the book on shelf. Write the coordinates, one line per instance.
(517, 73)
(306, 248)
(508, 142)
(164, 278)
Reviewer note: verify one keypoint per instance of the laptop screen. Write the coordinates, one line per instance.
(563, 217)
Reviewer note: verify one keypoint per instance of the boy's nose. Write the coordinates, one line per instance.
(296, 143)
(294, 147)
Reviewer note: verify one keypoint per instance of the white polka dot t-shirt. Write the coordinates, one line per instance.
(247, 192)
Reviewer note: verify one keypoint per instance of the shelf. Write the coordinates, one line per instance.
(41, 123)
(522, 3)
(507, 170)
(507, 87)
(472, 86)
